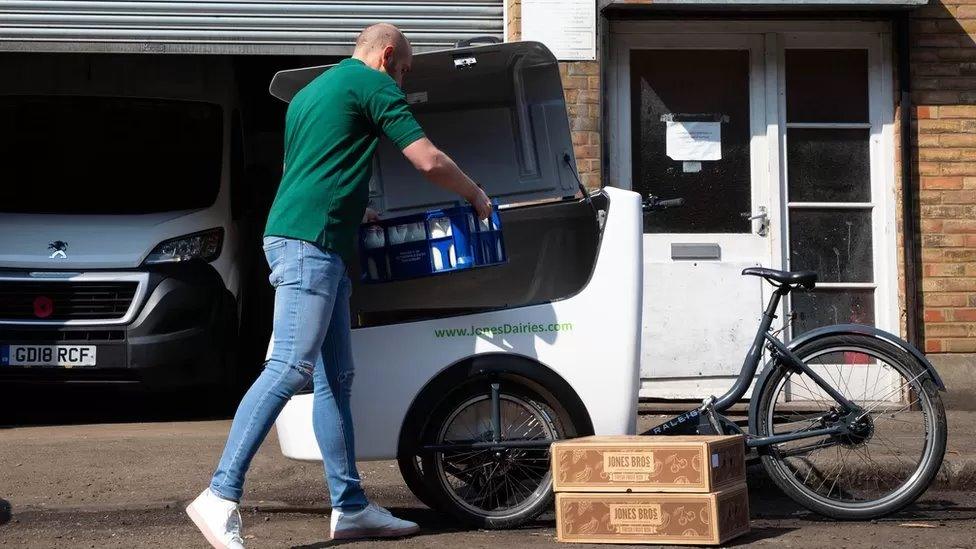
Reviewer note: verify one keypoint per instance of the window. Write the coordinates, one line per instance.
(682, 83)
(108, 155)
(828, 179)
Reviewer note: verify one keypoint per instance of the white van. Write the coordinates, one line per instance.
(467, 377)
(120, 232)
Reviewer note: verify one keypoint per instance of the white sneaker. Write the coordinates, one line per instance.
(218, 520)
(372, 522)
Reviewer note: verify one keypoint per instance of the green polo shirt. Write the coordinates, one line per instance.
(332, 128)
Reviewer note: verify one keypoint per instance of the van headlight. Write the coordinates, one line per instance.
(204, 245)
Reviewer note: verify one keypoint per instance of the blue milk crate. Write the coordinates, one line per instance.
(437, 241)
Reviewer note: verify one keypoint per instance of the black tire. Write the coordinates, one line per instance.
(471, 398)
(411, 469)
(898, 480)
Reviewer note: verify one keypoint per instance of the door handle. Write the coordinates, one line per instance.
(763, 217)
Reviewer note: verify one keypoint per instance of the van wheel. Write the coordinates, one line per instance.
(501, 486)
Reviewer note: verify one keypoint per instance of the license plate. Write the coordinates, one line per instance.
(64, 356)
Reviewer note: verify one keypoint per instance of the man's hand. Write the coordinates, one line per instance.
(370, 216)
(439, 169)
(481, 203)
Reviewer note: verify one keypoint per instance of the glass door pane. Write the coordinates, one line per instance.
(834, 242)
(826, 85)
(692, 85)
(828, 166)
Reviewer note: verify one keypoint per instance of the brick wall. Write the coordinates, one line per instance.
(944, 91)
(513, 20)
(581, 82)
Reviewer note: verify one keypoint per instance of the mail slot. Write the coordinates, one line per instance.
(696, 251)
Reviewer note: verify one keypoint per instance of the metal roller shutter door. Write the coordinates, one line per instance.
(242, 27)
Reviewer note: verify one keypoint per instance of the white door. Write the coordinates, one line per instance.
(806, 118)
(700, 314)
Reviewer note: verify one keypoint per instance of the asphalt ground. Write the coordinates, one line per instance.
(76, 471)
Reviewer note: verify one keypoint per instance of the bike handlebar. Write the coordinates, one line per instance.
(653, 203)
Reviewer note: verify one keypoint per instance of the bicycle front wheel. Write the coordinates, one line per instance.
(894, 449)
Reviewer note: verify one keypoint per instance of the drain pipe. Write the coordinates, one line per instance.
(911, 236)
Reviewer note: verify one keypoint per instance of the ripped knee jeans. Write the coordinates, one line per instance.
(310, 342)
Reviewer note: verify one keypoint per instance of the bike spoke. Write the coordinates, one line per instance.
(878, 468)
(809, 449)
(843, 468)
(892, 393)
(476, 454)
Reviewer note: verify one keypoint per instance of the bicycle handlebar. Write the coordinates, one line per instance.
(653, 203)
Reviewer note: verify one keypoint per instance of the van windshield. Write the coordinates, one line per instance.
(108, 155)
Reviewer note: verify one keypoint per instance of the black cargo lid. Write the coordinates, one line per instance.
(497, 110)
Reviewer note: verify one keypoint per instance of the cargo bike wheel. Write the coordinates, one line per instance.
(483, 456)
(895, 444)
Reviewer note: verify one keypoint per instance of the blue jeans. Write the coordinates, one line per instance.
(311, 339)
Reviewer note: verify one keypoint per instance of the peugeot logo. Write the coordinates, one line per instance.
(58, 247)
(43, 306)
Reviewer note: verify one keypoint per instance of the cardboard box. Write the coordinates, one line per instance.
(675, 519)
(648, 463)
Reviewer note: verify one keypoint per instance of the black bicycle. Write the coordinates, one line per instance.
(832, 396)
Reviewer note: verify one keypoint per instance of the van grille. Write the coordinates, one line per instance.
(45, 300)
(62, 336)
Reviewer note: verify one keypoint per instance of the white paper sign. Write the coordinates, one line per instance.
(694, 140)
(567, 27)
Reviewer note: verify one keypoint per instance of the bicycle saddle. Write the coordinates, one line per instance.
(807, 279)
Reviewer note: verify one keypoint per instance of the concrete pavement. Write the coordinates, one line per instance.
(125, 484)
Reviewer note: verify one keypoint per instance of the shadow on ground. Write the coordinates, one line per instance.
(5, 512)
(72, 405)
(767, 502)
(432, 524)
(759, 534)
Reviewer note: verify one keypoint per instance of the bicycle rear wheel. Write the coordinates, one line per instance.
(882, 465)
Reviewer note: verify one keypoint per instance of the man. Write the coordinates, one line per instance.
(331, 131)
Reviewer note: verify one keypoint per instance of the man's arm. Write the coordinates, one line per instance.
(439, 169)
(387, 108)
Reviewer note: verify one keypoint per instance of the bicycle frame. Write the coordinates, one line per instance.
(707, 419)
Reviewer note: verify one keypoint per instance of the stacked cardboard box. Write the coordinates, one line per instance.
(642, 489)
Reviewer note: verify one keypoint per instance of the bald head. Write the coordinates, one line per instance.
(379, 36)
(383, 47)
